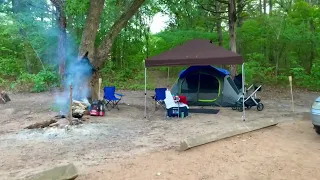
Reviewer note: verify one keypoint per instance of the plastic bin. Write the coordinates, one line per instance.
(173, 112)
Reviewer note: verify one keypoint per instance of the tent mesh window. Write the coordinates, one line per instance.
(190, 84)
(234, 87)
(209, 87)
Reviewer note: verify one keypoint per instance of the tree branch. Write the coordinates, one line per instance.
(102, 52)
(57, 3)
(45, 8)
(210, 10)
(223, 2)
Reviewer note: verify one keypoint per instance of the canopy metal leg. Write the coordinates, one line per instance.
(145, 92)
(243, 94)
(168, 76)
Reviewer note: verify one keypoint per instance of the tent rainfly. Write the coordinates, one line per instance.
(196, 52)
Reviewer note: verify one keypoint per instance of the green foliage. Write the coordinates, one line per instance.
(42, 81)
(122, 78)
(77, 7)
(10, 67)
(273, 47)
(310, 82)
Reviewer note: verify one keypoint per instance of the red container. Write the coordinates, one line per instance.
(183, 99)
(97, 109)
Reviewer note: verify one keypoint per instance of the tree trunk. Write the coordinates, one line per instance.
(62, 42)
(313, 48)
(264, 20)
(219, 28)
(88, 40)
(91, 29)
(232, 33)
(240, 6)
(260, 7)
(270, 7)
(100, 55)
(62, 22)
(218, 23)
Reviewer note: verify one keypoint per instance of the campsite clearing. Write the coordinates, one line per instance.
(123, 137)
(287, 151)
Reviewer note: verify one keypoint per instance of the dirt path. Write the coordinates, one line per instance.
(287, 151)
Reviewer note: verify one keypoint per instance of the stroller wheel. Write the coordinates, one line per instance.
(234, 107)
(249, 107)
(240, 108)
(260, 107)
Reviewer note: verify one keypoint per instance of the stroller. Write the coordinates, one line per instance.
(249, 101)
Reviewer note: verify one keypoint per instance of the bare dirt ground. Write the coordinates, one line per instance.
(124, 145)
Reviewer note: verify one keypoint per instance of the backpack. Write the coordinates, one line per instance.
(97, 108)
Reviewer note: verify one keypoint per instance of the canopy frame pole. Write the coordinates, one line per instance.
(145, 72)
(243, 94)
(168, 76)
(145, 92)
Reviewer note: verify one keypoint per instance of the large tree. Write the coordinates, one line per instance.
(98, 54)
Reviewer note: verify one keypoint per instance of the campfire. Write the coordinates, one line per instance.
(79, 115)
(73, 101)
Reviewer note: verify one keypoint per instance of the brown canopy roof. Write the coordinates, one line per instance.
(195, 52)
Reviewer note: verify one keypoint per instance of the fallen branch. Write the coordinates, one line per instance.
(41, 124)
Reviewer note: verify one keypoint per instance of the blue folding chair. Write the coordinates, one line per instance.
(110, 96)
(160, 95)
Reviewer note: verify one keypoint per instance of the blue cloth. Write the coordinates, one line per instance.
(183, 73)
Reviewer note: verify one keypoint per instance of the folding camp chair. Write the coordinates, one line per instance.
(109, 96)
(160, 95)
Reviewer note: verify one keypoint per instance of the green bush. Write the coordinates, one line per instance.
(40, 82)
(309, 81)
(10, 67)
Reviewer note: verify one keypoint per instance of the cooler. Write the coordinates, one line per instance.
(175, 111)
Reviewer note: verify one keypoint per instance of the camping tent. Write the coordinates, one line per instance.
(207, 85)
(196, 52)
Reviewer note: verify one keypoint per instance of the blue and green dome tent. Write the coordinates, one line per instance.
(206, 85)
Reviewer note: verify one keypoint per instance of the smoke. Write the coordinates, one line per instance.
(78, 75)
(43, 33)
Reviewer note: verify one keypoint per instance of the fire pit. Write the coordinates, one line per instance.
(73, 101)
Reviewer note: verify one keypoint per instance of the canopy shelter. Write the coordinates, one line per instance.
(196, 52)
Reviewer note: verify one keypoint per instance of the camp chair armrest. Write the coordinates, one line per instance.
(119, 94)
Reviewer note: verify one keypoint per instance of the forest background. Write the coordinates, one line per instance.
(39, 38)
